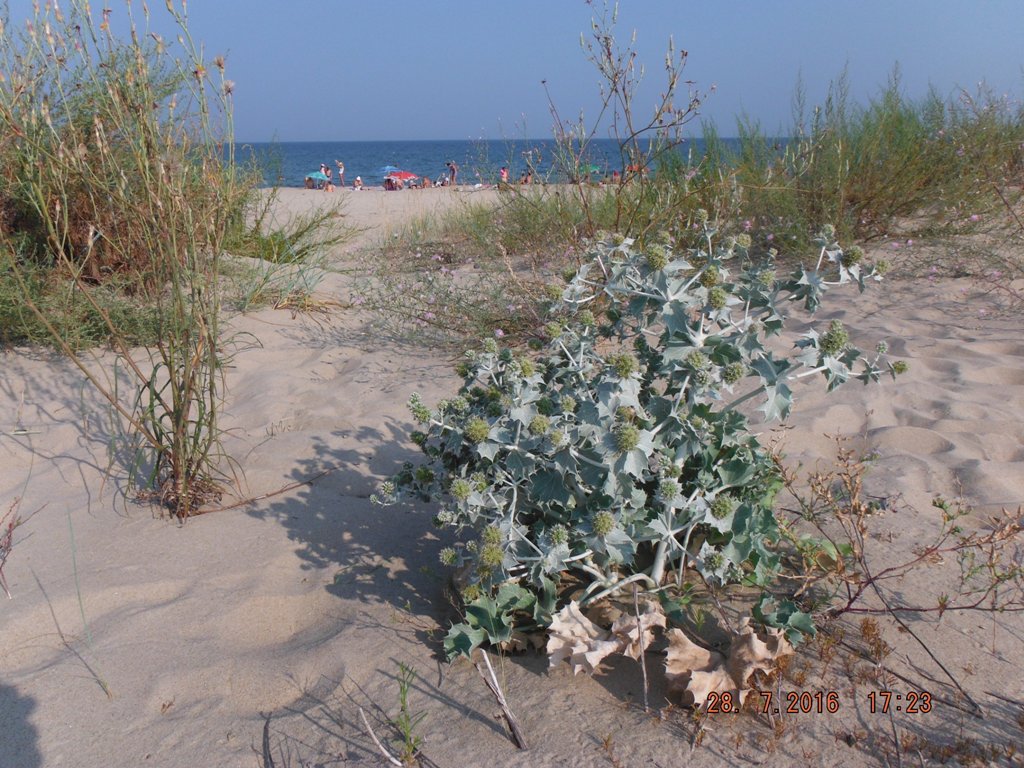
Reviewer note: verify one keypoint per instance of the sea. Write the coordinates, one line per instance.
(287, 164)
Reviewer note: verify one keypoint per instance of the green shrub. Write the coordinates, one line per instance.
(118, 173)
(622, 454)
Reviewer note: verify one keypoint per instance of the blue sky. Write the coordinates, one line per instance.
(456, 69)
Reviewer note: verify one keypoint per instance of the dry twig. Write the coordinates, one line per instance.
(492, 682)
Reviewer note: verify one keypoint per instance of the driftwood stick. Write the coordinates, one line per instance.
(387, 755)
(643, 649)
(492, 682)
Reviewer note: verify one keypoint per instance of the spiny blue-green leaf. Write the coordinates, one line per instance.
(462, 639)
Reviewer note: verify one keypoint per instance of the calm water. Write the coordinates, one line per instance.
(288, 163)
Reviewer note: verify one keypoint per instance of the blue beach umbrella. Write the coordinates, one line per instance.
(389, 169)
(317, 176)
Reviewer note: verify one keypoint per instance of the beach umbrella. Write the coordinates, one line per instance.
(402, 175)
(317, 176)
(389, 169)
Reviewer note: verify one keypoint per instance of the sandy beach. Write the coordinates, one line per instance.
(132, 640)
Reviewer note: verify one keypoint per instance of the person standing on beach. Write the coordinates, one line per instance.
(341, 173)
(453, 172)
(504, 174)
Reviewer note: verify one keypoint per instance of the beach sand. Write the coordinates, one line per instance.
(132, 640)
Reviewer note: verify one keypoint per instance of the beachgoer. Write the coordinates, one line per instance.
(503, 176)
(453, 172)
(358, 183)
(522, 178)
(309, 183)
(341, 173)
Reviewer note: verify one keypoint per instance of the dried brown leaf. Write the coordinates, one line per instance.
(627, 629)
(694, 673)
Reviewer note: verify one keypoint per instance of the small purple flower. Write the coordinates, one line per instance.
(894, 245)
(747, 225)
(498, 333)
(975, 217)
(910, 242)
(429, 315)
(770, 237)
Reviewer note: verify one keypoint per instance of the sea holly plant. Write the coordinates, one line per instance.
(622, 454)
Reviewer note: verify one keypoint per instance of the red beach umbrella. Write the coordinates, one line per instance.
(403, 175)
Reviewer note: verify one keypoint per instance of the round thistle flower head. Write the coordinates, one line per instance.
(540, 425)
(702, 379)
(834, 340)
(733, 372)
(722, 507)
(495, 409)
(553, 292)
(618, 238)
(853, 255)
(586, 318)
(698, 360)
(462, 369)
(448, 556)
(568, 403)
(545, 406)
(671, 489)
(718, 297)
(714, 561)
(477, 430)
(710, 276)
(387, 489)
(900, 367)
(424, 475)
(479, 482)
(461, 488)
(701, 216)
(603, 523)
(491, 557)
(766, 278)
(443, 518)
(490, 346)
(624, 364)
(420, 412)
(505, 356)
(568, 274)
(418, 438)
(526, 366)
(656, 256)
(558, 439)
(553, 330)
(828, 232)
(458, 404)
(627, 437)
(882, 266)
(559, 535)
(471, 593)
(743, 240)
(492, 536)
(881, 348)
(625, 413)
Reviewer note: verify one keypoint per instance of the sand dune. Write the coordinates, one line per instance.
(303, 604)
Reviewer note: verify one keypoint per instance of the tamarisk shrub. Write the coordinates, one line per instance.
(621, 454)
